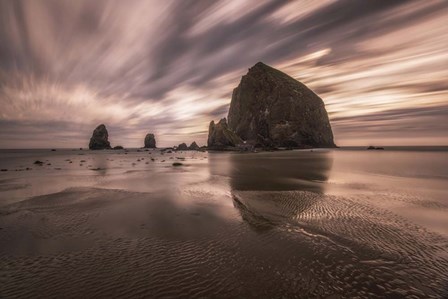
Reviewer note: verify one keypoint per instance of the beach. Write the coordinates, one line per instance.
(287, 224)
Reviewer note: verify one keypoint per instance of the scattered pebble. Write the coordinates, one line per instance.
(177, 164)
(37, 162)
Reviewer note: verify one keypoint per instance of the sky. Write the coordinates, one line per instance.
(169, 67)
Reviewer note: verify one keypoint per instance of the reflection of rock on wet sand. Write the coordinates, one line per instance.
(264, 210)
(270, 189)
(273, 172)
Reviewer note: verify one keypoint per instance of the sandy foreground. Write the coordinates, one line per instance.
(293, 224)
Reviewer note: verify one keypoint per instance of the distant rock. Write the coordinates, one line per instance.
(221, 137)
(177, 164)
(100, 139)
(118, 147)
(182, 147)
(167, 150)
(194, 146)
(375, 148)
(150, 141)
(272, 109)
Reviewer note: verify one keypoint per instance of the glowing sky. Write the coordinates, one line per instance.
(169, 67)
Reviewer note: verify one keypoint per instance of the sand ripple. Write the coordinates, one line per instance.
(89, 242)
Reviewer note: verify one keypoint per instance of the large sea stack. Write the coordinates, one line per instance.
(220, 137)
(272, 109)
(150, 141)
(100, 139)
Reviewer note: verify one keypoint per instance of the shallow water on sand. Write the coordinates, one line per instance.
(293, 224)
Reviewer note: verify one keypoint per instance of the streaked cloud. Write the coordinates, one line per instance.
(169, 67)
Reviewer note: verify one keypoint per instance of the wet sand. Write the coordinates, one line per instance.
(295, 224)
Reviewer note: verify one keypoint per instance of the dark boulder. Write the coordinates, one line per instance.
(150, 141)
(182, 147)
(100, 138)
(272, 109)
(194, 146)
(118, 147)
(375, 148)
(221, 137)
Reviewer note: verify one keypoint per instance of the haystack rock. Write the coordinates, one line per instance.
(272, 109)
(221, 137)
(150, 141)
(100, 138)
(194, 146)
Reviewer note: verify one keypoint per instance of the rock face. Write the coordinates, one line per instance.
(272, 109)
(150, 141)
(182, 147)
(99, 139)
(221, 137)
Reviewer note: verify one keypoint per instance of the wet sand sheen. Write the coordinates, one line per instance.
(221, 228)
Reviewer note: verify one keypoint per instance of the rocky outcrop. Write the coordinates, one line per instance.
(99, 139)
(182, 147)
(221, 137)
(150, 141)
(194, 146)
(272, 109)
(375, 148)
